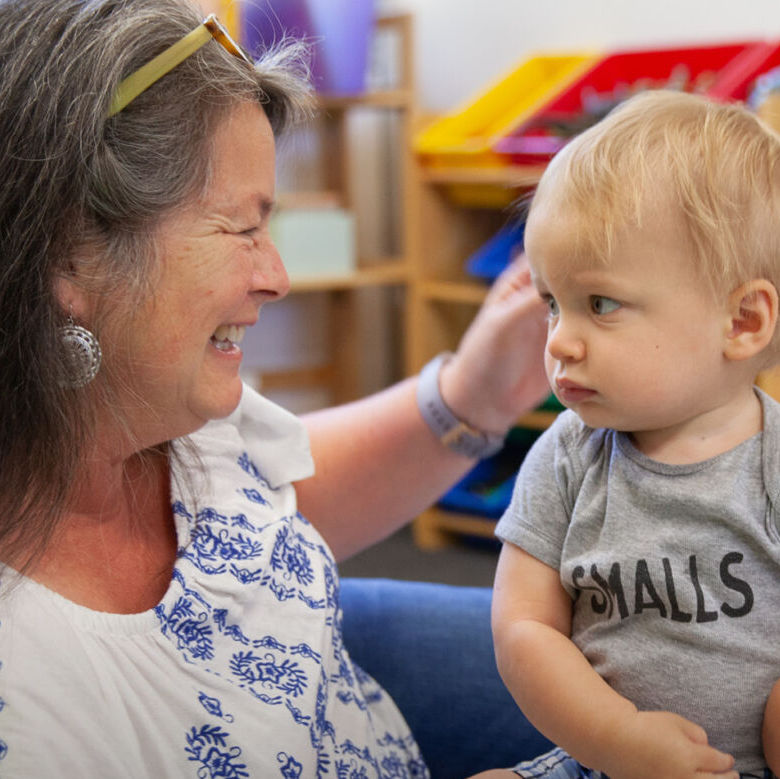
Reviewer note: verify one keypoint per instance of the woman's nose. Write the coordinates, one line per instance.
(563, 341)
(270, 275)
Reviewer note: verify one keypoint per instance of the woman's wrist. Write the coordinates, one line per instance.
(454, 429)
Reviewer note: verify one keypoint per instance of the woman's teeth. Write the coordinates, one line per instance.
(227, 336)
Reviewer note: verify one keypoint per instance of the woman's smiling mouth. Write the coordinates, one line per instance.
(227, 337)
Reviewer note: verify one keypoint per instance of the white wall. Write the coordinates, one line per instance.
(464, 45)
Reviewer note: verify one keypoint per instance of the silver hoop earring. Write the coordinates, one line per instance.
(82, 355)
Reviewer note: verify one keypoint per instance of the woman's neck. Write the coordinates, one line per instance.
(116, 545)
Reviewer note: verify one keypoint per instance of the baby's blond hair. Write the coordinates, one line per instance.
(715, 165)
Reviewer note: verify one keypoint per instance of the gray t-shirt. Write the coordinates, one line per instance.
(674, 569)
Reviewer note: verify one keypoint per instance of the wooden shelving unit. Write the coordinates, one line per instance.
(341, 376)
(444, 299)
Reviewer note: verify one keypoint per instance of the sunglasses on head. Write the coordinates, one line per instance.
(141, 79)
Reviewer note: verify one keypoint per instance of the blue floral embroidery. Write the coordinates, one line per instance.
(208, 746)
(209, 514)
(306, 651)
(180, 510)
(250, 468)
(285, 676)
(214, 707)
(3, 749)
(234, 631)
(245, 576)
(193, 632)
(290, 767)
(289, 555)
(240, 520)
(282, 593)
(189, 591)
(269, 642)
(312, 603)
(324, 727)
(297, 715)
(226, 542)
(254, 496)
(208, 550)
(349, 771)
(346, 696)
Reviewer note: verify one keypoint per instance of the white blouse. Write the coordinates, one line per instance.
(240, 670)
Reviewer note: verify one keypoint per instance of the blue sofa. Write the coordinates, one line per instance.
(430, 647)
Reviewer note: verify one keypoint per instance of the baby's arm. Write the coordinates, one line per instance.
(771, 732)
(561, 694)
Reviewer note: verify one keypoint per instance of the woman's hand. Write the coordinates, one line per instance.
(497, 373)
(651, 744)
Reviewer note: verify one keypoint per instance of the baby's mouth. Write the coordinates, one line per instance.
(227, 337)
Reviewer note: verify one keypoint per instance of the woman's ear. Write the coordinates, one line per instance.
(753, 309)
(71, 297)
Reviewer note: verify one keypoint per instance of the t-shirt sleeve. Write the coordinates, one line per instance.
(537, 518)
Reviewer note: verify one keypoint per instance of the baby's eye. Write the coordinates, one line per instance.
(552, 305)
(603, 305)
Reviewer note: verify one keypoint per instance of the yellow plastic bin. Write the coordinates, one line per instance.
(465, 137)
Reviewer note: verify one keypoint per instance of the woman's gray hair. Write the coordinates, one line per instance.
(80, 188)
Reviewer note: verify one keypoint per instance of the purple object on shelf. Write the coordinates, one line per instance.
(339, 32)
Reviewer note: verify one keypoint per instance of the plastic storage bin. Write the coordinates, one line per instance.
(487, 488)
(315, 242)
(493, 256)
(339, 31)
(740, 79)
(704, 69)
(466, 136)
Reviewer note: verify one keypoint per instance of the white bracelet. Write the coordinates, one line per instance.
(454, 433)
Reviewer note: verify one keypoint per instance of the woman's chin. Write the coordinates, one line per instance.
(219, 402)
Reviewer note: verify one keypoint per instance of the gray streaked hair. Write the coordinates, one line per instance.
(74, 179)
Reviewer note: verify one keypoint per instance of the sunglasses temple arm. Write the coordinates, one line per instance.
(163, 63)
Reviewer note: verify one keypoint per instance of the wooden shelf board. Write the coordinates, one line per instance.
(316, 376)
(384, 273)
(389, 98)
(471, 293)
(437, 528)
(507, 176)
(465, 524)
(537, 420)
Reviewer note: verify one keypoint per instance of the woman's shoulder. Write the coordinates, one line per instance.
(275, 439)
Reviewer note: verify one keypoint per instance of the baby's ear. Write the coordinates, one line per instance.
(752, 319)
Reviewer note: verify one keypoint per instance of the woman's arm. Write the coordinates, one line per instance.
(563, 696)
(377, 462)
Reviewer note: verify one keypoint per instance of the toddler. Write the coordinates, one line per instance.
(637, 597)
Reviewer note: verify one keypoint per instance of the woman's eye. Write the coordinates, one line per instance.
(602, 305)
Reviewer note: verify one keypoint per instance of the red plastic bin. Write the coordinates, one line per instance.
(713, 70)
(739, 79)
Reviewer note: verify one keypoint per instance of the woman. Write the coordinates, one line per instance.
(165, 608)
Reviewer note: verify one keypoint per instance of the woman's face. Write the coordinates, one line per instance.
(218, 266)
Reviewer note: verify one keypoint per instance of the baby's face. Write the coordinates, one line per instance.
(635, 340)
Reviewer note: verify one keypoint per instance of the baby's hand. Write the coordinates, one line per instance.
(652, 744)
(770, 733)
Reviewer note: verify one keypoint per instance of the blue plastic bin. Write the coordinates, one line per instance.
(492, 257)
(487, 488)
